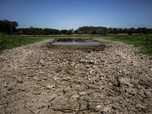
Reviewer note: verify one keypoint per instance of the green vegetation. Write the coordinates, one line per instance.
(105, 30)
(9, 41)
(81, 30)
(64, 35)
(144, 42)
(9, 27)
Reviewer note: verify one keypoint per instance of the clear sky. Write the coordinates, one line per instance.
(67, 14)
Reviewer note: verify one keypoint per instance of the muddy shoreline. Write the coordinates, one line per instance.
(44, 79)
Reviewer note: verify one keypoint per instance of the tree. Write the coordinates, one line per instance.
(64, 31)
(8, 26)
(142, 30)
(13, 26)
(125, 30)
(131, 31)
(70, 31)
(91, 30)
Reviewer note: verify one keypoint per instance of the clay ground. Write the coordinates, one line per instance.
(43, 79)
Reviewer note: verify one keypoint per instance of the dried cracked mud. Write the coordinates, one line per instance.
(44, 79)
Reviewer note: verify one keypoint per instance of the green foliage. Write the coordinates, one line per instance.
(105, 30)
(9, 41)
(91, 30)
(144, 42)
(8, 27)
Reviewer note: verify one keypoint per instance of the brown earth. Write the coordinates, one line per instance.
(45, 79)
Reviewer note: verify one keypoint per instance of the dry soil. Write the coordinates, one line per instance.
(44, 79)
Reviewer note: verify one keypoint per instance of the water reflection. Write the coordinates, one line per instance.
(78, 41)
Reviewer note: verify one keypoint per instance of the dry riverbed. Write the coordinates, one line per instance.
(45, 79)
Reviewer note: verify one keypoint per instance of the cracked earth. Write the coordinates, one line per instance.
(41, 78)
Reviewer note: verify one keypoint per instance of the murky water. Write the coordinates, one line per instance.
(75, 42)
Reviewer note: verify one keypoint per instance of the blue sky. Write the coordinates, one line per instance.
(67, 14)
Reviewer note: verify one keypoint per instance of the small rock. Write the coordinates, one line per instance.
(150, 69)
(91, 62)
(22, 89)
(87, 66)
(83, 93)
(10, 89)
(89, 51)
(75, 96)
(102, 60)
(64, 91)
(49, 87)
(5, 84)
(19, 81)
(99, 107)
(45, 78)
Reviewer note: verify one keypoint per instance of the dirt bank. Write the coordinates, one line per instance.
(45, 79)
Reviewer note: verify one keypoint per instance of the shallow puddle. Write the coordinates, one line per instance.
(75, 41)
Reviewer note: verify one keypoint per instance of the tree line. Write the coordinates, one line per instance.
(9, 27)
(105, 30)
(41, 31)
